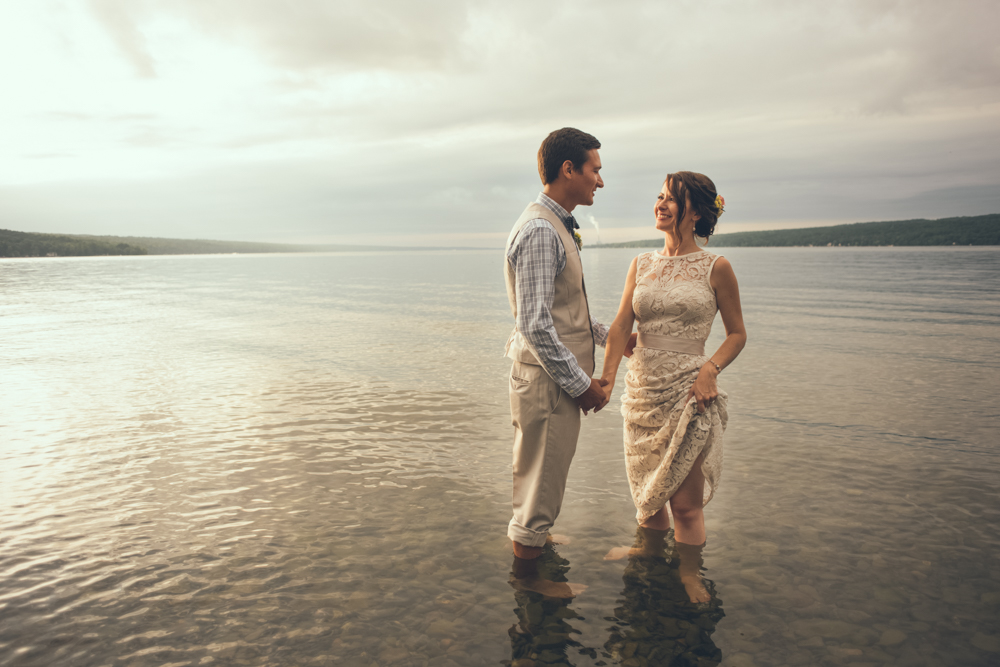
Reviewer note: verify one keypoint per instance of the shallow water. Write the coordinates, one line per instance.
(305, 459)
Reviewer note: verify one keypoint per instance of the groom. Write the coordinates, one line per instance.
(553, 341)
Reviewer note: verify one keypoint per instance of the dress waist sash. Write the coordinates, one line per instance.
(672, 343)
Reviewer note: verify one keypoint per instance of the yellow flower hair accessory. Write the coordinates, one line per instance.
(578, 239)
(720, 204)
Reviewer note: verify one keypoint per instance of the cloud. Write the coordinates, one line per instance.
(867, 56)
(270, 119)
(116, 17)
(335, 35)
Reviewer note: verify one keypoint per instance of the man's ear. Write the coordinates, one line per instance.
(567, 168)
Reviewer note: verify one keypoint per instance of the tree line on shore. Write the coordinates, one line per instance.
(27, 244)
(30, 244)
(33, 244)
(971, 230)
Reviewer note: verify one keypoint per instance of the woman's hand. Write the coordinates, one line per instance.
(705, 388)
(609, 386)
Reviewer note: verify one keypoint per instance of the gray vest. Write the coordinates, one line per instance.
(570, 312)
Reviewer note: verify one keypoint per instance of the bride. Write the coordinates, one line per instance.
(675, 414)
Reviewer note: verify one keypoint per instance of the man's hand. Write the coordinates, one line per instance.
(630, 345)
(594, 398)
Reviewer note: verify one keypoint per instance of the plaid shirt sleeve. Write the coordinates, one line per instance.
(600, 332)
(537, 257)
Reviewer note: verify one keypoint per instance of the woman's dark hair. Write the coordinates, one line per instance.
(700, 191)
(568, 143)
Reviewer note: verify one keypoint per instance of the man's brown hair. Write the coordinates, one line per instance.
(568, 143)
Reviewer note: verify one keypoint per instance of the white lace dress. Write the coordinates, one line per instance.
(664, 433)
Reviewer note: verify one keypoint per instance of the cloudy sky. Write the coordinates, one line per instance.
(337, 121)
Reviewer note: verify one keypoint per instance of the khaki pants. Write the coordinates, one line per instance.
(546, 426)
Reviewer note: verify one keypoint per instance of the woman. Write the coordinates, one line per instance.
(674, 413)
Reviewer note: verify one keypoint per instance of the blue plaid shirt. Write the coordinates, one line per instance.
(537, 257)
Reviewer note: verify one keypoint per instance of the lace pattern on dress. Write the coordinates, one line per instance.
(664, 434)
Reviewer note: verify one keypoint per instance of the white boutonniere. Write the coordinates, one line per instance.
(578, 239)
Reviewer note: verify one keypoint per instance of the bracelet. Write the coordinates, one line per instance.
(717, 366)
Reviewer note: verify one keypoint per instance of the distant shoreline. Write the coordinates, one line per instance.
(15, 244)
(982, 230)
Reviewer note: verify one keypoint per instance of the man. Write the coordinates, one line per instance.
(553, 341)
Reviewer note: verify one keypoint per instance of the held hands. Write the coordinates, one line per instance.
(607, 384)
(594, 398)
(705, 389)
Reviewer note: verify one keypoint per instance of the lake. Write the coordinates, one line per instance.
(305, 460)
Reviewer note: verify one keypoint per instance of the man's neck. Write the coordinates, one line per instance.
(559, 196)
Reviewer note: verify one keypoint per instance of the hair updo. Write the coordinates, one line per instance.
(700, 191)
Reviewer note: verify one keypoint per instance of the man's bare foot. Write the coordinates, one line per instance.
(550, 589)
(695, 589)
(558, 539)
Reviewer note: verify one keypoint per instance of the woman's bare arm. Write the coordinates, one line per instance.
(620, 331)
(727, 295)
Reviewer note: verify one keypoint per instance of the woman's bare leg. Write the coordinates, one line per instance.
(689, 530)
(659, 521)
(686, 505)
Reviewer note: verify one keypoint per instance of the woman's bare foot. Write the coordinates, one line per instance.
(558, 539)
(690, 571)
(648, 542)
(695, 589)
(618, 553)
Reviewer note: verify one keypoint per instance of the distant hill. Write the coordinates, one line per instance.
(971, 230)
(27, 244)
(161, 246)
(30, 244)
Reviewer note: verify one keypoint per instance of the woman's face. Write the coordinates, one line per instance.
(665, 211)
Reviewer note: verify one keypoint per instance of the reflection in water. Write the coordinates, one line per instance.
(656, 622)
(542, 634)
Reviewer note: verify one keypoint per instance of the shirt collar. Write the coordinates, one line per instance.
(548, 202)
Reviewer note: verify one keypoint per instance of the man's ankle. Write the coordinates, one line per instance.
(526, 552)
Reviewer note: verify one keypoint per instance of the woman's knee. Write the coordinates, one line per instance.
(686, 513)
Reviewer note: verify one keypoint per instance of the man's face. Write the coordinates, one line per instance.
(586, 180)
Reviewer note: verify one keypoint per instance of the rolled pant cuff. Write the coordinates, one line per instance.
(525, 536)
